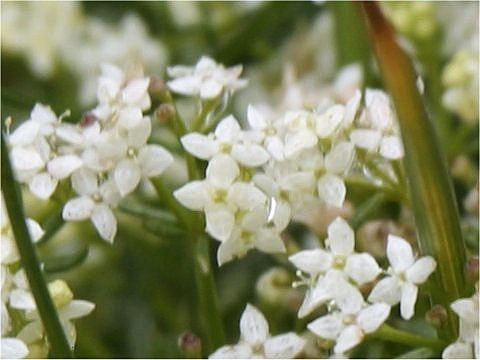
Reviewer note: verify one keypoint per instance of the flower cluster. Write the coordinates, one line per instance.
(336, 275)
(22, 331)
(60, 33)
(105, 156)
(255, 341)
(259, 179)
(467, 346)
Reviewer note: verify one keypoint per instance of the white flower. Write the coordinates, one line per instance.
(13, 348)
(406, 274)
(206, 79)
(301, 132)
(220, 196)
(349, 329)
(256, 342)
(270, 131)
(251, 231)
(227, 139)
(467, 345)
(121, 100)
(95, 202)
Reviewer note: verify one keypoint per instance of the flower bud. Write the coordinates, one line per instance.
(274, 287)
(471, 268)
(190, 344)
(436, 316)
(164, 113)
(60, 292)
(157, 87)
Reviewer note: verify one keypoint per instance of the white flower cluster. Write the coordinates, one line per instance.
(467, 346)
(258, 179)
(336, 274)
(22, 331)
(460, 78)
(255, 341)
(106, 155)
(48, 34)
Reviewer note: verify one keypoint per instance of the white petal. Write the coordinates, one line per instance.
(285, 346)
(105, 222)
(347, 297)
(255, 118)
(26, 159)
(362, 268)
(220, 221)
(222, 170)
(252, 155)
(351, 108)
(35, 230)
(409, 298)
(139, 134)
(188, 85)
(366, 138)
(387, 290)
(269, 240)
(370, 318)
(154, 160)
(312, 261)
(210, 89)
(339, 159)
(31, 332)
(328, 326)
(391, 148)
(70, 134)
(42, 185)
(379, 108)
(329, 121)
(275, 147)
(78, 209)
(466, 309)
(84, 182)
(135, 90)
(200, 146)
(12, 348)
(341, 238)
(22, 299)
(298, 141)
(282, 215)
(76, 309)
(228, 129)
(43, 114)
(246, 196)
(239, 351)
(298, 181)
(458, 350)
(24, 134)
(421, 270)
(63, 166)
(331, 189)
(253, 326)
(129, 117)
(399, 253)
(349, 337)
(127, 176)
(192, 195)
(230, 249)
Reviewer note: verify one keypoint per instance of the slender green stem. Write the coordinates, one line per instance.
(205, 110)
(386, 332)
(430, 187)
(29, 259)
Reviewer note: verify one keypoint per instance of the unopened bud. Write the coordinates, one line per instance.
(157, 87)
(60, 293)
(472, 267)
(190, 344)
(88, 119)
(164, 113)
(436, 316)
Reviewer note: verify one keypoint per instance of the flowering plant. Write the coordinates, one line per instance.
(318, 214)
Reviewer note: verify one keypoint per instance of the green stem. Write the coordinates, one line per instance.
(52, 225)
(199, 251)
(363, 212)
(29, 259)
(386, 332)
(430, 187)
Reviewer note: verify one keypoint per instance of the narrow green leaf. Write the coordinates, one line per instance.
(431, 191)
